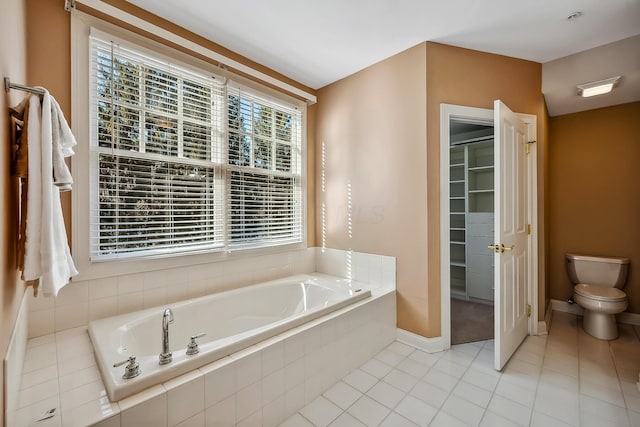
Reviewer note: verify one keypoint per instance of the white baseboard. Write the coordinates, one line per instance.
(542, 328)
(545, 325)
(626, 318)
(430, 345)
(548, 315)
(565, 307)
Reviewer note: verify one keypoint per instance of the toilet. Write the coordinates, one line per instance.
(598, 289)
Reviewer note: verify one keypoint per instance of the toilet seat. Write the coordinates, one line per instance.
(600, 293)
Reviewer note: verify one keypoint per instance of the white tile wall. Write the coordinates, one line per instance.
(82, 301)
(219, 381)
(367, 268)
(197, 420)
(273, 387)
(248, 367)
(248, 400)
(222, 414)
(273, 413)
(185, 397)
(148, 408)
(13, 365)
(262, 385)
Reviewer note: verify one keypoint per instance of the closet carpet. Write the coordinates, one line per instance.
(470, 321)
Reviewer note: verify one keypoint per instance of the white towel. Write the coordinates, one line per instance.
(63, 143)
(47, 255)
(32, 269)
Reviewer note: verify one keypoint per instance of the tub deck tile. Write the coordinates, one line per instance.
(274, 374)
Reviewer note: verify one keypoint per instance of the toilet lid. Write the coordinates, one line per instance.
(599, 293)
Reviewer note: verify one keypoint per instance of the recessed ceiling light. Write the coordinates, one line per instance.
(597, 88)
(574, 15)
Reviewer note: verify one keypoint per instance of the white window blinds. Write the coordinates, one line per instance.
(264, 177)
(182, 162)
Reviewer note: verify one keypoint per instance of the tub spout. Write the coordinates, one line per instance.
(166, 356)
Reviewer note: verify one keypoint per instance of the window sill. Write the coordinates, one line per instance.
(91, 270)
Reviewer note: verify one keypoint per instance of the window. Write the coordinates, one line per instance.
(264, 164)
(183, 161)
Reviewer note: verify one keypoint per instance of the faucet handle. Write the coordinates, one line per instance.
(132, 370)
(192, 347)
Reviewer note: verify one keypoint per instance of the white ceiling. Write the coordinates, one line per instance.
(319, 42)
(561, 76)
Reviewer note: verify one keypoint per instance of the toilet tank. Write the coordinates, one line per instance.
(600, 271)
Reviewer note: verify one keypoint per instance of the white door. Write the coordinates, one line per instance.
(510, 244)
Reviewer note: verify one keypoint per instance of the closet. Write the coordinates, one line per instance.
(471, 199)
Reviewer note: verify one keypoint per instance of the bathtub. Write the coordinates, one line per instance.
(231, 320)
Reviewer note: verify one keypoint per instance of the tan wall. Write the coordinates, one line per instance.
(12, 65)
(176, 29)
(545, 269)
(45, 35)
(378, 137)
(311, 173)
(595, 191)
(49, 65)
(472, 78)
(372, 127)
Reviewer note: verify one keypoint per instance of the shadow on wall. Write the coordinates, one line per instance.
(594, 192)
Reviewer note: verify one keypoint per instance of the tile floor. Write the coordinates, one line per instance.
(566, 378)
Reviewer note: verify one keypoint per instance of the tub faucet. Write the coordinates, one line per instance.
(166, 356)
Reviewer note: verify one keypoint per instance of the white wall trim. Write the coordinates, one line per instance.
(542, 328)
(430, 345)
(195, 47)
(447, 111)
(563, 306)
(82, 26)
(628, 318)
(532, 218)
(545, 325)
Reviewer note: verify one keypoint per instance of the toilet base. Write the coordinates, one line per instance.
(600, 325)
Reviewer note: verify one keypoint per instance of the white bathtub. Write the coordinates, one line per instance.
(232, 320)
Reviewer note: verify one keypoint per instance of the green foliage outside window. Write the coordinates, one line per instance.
(160, 157)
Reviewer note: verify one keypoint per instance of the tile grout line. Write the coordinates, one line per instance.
(544, 356)
(493, 392)
(615, 365)
(577, 332)
(405, 394)
(484, 413)
(419, 380)
(573, 329)
(390, 385)
(460, 380)
(450, 393)
(59, 406)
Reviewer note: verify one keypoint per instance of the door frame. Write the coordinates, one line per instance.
(447, 112)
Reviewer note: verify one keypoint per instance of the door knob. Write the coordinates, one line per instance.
(500, 248)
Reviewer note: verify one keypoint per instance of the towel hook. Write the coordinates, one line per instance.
(8, 86)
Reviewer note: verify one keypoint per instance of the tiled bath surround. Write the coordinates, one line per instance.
(83, 301)
(262, 384)
(14, 363)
